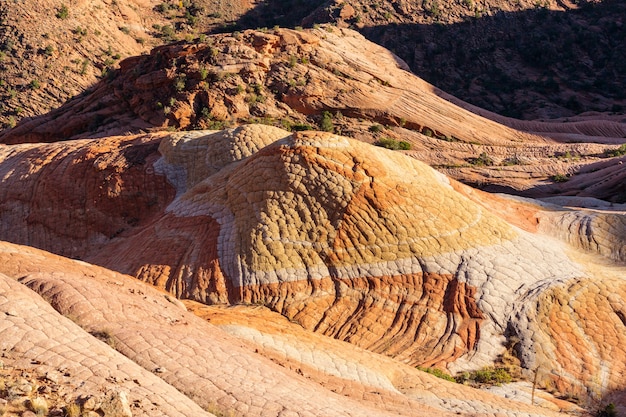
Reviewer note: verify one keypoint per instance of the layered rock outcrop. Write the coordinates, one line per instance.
(355, 242)
(167, 361)
(290, 78)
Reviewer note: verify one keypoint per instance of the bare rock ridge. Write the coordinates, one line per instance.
(289, 78)
(348, 240)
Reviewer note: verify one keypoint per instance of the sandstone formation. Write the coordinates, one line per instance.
(170, 362)
(526, 58)
(349, 240)
(326, 267)
(289, 78)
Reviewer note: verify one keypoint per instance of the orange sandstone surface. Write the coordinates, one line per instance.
(345, 239)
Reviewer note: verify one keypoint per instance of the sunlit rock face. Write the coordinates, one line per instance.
(355, 242)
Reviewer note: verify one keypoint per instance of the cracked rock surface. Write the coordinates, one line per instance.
(348, 240)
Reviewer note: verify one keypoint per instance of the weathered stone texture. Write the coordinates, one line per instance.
(349, 240)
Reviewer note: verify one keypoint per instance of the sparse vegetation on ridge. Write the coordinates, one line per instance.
(393, 144)
(63, 12)
(481, 377)
(621, 151)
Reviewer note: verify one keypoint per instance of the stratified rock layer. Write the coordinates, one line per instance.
(170, 362)
(289, 78)
(355, 242)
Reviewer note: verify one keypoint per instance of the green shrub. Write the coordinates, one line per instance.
(294, 126)
(63, 12)
(617, 152)
(180, 83)
(375, 128)
(79, 31)
(162, 8)
(559, 178)
(34, 84)
(191, 19)
(608, 411)
(326, 124)
(438, 373)
(83, 66)
(393, 144)
(482, 160)
(486, 376)
(168, 33)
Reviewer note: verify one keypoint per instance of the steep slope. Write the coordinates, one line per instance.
(352, 241)
(526, 59)
(290, 78)
(53, 50)
(166, 361)
(37, 338)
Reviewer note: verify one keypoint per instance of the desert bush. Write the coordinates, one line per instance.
(295, 126)
(106, 336)
(38, 405)
(79, 31)
(72, 410)
(35, 84)
(180, 83)
(375, 128)
(608, 411)
(83, 66)
(438, 373)
(616, 152)
(326, 124)
(63, 12)
(167, 33)
(482, 160)
(485, 376)
(559, 178)
(393, 144)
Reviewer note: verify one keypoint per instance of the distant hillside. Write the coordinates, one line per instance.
(522, 59)
(53, 50)
(533, 64)
(335, 80)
